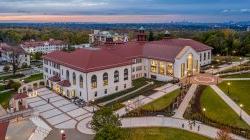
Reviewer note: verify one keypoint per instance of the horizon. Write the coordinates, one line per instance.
(130, 11)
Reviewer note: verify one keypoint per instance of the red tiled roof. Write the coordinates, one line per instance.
(20, 96)
(33, 44)
(55, 78)
(64, 83)
(7, 48)
(87, 60)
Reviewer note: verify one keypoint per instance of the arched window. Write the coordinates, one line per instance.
(105, 79)
(67, 75)
(94, 81)
(81, 81)
(116, 76)
(74, 78)
(125, 74)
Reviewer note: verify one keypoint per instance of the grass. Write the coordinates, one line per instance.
(2, 87)
(162, 102)
(158, 133)
(11, 77)
(34, 77)
(239, 92)
(243, 75)
(5, 98)
(218, 110)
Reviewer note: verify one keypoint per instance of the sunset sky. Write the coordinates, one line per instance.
(124, 10)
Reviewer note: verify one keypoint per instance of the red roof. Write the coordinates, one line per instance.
(87, 60)
(64, 83)
(55, 78)
(7, 48)
(20, 96)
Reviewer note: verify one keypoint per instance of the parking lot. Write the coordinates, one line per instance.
(58, 111)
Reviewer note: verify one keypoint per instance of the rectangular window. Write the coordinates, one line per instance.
(138, 68)
(170, 69)
(200, 57)
(182, 69)
(96, 94)
(125, 86)
(208, 55)
(105, 91)
(154, 65)
(205, 55)
(162, 68)
(116, 88)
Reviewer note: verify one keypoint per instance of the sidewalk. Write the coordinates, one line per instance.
(232, 104)
(184, 104)
(205, 130)
(225, 67)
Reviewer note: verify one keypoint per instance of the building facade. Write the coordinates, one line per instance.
(6, 55)
(44, 47)
(99, 37)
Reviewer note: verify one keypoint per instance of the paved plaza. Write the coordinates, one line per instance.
(58, 112)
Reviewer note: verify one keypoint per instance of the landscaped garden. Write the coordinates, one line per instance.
(11, 77)
(34, 77)
(239, 91)
(160, 134)
(218, 110)
(162, 102)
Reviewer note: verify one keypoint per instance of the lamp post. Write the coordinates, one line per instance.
(241, 106)
(212, 70)
(240, 64)
(228, 87)
(63, 135)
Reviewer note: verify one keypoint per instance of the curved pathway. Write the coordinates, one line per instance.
(205, 130)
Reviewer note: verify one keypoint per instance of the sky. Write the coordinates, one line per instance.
(124, 11)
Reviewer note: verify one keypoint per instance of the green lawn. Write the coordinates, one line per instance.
(34, 77)
(239, 92)
(218, 110)
(160, 134)
(1, 87)
(162, 102)
(5, 98)
(11, 77)
(243, 75)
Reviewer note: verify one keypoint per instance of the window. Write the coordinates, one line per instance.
(116, 88)
(105, 79)
(138, 68)
(74, 78)
(182, 69)
(125, 74)
(170, 69)
(62, 71)
(125, 86)
(116, 76)
(162, 68)
(67, 75)
(205, 55)
(154, 66)
(80, 93)
(94, 81)
(105, 91)
(96, 94)
(208, 55)
(81, 81)
(200, 57)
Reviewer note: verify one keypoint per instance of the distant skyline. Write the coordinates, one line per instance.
(124, 11)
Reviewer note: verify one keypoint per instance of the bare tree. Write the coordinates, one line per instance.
(223, 134)
(15, 54)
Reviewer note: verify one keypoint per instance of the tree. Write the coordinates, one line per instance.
(6, 68)
(223, 134)
(151, 36)
(15, 58)
(106, 124)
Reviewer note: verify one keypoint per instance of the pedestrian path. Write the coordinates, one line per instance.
(143, 100)
(232, 104)
(236, 79)
(184, 104)
(42, 130)
(203, 129)
(225, 67)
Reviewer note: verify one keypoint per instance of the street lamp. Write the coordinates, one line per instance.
(240, 63)
(228, 86)
(241, 106)
(63, 135)
(204, 109)
(212, 70)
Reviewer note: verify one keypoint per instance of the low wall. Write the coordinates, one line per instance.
(31, 86)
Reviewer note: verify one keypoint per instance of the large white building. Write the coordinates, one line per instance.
(44, 47)
(99, 37)
(6, 55)
(93, 73)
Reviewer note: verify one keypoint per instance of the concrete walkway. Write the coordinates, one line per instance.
(184, 104)
(232, 104)
(143, 100)
(225, 67)
(236, 79)
(205, 130)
